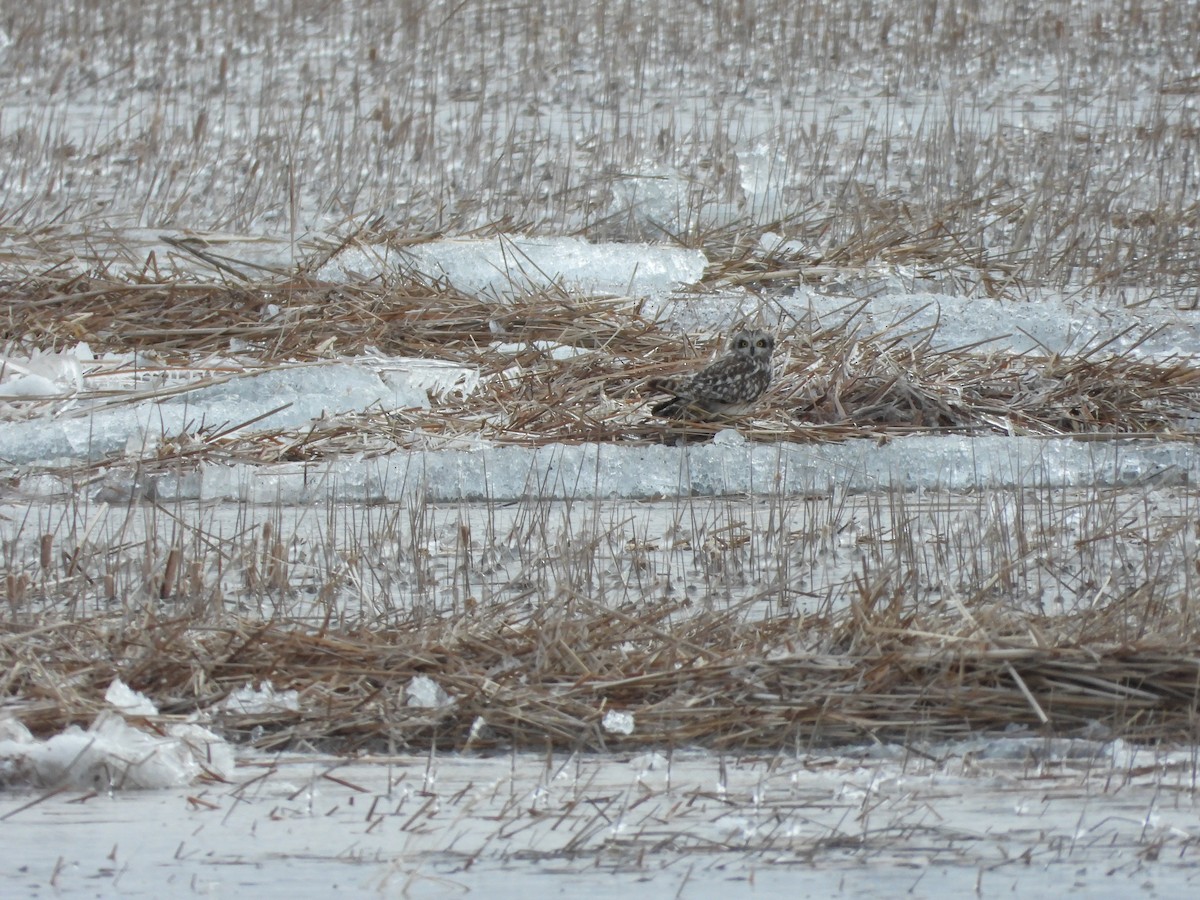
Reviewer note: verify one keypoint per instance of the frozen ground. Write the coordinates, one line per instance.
(1018, 816)
(965, 174)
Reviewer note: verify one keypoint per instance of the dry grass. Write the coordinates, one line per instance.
(1000, 146)
(722, 624)
(547, 678)
(831, 383)
(992, 151)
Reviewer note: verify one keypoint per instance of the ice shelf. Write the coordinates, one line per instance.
(602, 471)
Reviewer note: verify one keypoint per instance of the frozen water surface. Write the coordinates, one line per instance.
(616, 471)
(1028, 820)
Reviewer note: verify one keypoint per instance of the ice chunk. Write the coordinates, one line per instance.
(650, 762)
(655, 196)
(44, 373)
(205, 750)
(872, 301)
(249, 700)
(776, 245)
(122, 249)
(13, 730)
(422, 691)
(414, 380)
(283, 397)
(127, 701)
(508, 266)
(554, 349)
(362, 262)
(652, 200)
(729, 437)
(1047, 324)
(556, 471)
(112, 754)
(764, 176)
(618, 722)
(191, 398)
(471, 470)
(28, 386)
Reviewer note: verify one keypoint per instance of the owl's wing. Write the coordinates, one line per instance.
(723, 382)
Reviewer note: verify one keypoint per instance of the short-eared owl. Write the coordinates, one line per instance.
(727, 387)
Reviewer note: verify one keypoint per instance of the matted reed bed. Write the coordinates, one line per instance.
(832, 382)
(549, 677)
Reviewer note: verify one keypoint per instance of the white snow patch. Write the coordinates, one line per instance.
(509, 266)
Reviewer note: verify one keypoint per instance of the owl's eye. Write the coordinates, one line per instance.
(742, 343)
(762, 342)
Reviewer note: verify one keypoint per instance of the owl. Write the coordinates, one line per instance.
(727, 387)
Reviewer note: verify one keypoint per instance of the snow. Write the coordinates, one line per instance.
(115, 752)
(508, 266)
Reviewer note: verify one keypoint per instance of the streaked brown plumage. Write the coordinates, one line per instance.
(727, 387)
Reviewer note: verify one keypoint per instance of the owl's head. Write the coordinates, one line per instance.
(754, 344)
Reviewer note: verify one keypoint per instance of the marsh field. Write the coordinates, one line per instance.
(341, 549)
